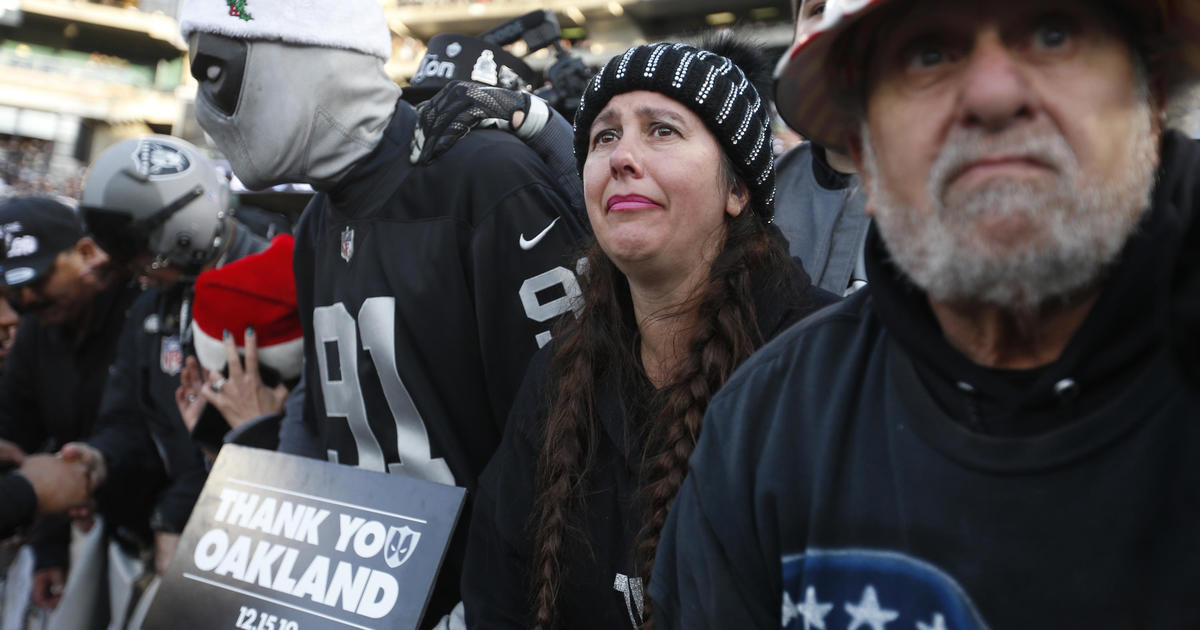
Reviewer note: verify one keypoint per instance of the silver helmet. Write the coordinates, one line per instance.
(158, 195)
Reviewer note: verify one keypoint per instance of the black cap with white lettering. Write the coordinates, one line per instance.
(454, 57)
(35, 231)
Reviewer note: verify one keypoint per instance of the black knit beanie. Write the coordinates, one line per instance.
(713, 87)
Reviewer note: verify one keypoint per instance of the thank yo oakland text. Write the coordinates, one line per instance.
(357, 579)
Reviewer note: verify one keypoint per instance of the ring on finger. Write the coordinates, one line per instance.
(218, 384)
(191, 398)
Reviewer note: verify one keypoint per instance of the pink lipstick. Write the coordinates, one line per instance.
(626, 203)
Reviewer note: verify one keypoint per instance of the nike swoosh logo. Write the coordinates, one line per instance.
(531, 243)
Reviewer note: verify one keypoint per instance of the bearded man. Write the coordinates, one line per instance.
(999, 431)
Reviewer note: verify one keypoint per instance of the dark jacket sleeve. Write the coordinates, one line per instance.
(495, 578)
(297, 437)
(260, 432)
(176, 503)
(555, 145)
(520, 292)
(51, 539)
(120, 432)
(20, 421)
(711, 570)
(18, 503)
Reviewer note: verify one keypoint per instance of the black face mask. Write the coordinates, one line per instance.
(219, 64)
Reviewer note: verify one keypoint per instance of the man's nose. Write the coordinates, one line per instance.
(996, 91)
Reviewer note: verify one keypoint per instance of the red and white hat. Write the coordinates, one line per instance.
(257, 291)
(803, 93)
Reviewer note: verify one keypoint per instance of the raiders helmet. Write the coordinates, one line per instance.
(157, 195)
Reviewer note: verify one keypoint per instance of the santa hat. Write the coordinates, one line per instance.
(257, 291)
(357, 25)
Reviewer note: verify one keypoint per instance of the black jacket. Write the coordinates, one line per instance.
(601, 588)
(50, 393)
(423, 292)
(18, 503)
(860, 468)
(139, 430)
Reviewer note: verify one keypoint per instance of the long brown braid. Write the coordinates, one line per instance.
(727, 336)
(586, 349)
(599, 344)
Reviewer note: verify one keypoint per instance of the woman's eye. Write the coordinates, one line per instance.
(662, 131)
(815, 9)
(604, 137)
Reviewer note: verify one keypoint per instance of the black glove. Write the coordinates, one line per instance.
(462, 106)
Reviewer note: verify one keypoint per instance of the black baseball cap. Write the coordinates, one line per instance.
(455, 57)
(35, 230)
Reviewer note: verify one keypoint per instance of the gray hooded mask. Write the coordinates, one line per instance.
(302, 114)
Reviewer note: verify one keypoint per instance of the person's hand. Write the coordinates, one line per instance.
(92, 460)
(10, 454)
(48, 586)
(164, 547)
(242, 397)
(59, 484)
(461, 106)
(189, 396)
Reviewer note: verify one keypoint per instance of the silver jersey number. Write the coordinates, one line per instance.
(343, 397)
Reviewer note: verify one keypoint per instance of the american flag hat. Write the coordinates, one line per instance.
(804, 80)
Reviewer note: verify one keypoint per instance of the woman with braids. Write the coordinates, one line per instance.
(685, 279)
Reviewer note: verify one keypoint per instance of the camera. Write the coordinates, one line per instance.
(568, 76)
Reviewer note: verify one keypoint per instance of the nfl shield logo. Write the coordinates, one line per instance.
(347, 243)
(170, 357)
(401, 543)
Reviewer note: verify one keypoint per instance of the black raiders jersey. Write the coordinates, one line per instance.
(423, 293)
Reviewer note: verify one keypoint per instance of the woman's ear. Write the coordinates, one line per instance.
(738, 199)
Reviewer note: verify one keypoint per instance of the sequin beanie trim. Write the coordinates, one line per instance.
(713, 87)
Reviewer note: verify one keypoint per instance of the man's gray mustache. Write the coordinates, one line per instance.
(966, 148)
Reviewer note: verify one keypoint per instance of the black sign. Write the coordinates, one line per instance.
(278, 542)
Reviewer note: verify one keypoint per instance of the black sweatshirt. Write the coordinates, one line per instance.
(845, 478)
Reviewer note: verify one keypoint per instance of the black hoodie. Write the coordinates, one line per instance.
(859, 470)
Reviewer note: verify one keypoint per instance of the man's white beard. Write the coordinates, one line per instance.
(1077, 225)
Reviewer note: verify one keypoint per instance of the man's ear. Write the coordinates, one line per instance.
(93, 257)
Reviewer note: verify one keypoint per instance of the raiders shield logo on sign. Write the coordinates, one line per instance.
(170, 358)
(155, 160)
(401, 543)
(347, 243)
